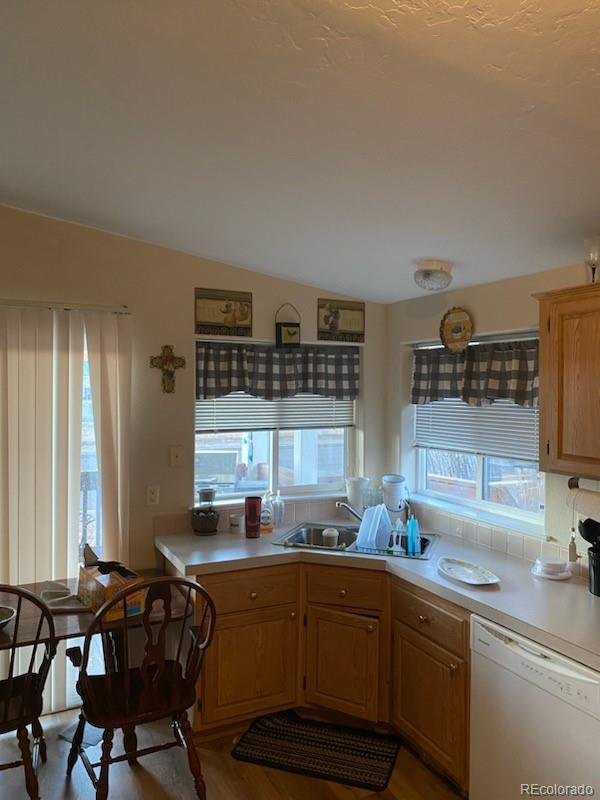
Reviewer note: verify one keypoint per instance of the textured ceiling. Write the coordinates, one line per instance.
(331, 142)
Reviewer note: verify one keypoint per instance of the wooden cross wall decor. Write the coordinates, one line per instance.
(168, 362)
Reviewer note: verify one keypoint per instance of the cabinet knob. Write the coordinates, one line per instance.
(293, 615)
(453, 668)
(370, 628)
(253, 595)
(343, 593)
(423, 619)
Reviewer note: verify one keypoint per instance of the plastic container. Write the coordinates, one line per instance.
(375, 529)
(278, 510)
(394, 491)
(356, 492)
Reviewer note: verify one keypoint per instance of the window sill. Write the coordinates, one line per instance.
(478, 515)
(309, 497)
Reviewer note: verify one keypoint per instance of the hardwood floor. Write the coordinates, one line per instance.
(165, 776)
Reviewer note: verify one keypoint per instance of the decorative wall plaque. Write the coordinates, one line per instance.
(456, 329)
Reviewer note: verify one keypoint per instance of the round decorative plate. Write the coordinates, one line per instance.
(456, 329)
(466, 572)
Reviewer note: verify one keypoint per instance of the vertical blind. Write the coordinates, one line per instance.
(501, 429)
(242, 412)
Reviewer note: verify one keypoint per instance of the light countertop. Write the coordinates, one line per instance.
(561, 615)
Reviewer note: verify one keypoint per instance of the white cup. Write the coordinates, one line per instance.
(236, 523)
(330, 537)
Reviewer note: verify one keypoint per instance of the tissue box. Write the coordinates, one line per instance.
(95, 589)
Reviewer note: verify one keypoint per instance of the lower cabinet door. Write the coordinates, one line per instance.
(430, 700)
(251, 663)
(342, 661)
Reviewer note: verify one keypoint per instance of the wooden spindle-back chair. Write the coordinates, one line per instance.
(149, 672)
(27, 647)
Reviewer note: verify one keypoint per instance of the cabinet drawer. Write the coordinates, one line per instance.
(440, 624)
(351, 588)
(251, 588)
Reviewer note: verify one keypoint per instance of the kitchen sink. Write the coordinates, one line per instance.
(310, 535)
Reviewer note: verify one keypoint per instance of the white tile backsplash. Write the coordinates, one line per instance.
(302, 512)
(484, 535)
(550, 550)
(515, 545)
(470, 532)
(499, 540)
(532, 548)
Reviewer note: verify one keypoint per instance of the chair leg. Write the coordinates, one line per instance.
(175, 726)
(102, 788)
(38, 733)
(130, 744)
(31, 783)
(192, 754)
(75, 745)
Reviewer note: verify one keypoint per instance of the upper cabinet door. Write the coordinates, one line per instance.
(570, 381)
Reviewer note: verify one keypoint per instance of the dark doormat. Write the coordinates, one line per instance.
(320, 749)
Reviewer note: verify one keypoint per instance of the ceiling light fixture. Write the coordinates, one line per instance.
(433, 274)
(592, 254)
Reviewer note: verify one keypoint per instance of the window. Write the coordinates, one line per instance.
(484, 456)
(246, 445)
(90, 516)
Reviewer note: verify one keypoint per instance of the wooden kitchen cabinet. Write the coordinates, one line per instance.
(342, 661)
(251, 666)
(347, 641)
(570, 381)
(430, 678)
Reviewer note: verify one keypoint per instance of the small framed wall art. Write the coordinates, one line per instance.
(287, 334)
(220, 312)
(341, 320)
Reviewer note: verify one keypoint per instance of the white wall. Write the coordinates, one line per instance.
(45, 259)
(506, 305)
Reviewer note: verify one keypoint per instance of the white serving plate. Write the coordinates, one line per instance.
(466, 572)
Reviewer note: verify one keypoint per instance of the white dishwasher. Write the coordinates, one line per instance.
(535, 719)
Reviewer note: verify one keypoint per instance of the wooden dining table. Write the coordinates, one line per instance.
(71, 625)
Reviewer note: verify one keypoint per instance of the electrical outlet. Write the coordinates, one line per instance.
(152, 495)
(176, 455)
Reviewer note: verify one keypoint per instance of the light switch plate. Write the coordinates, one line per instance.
(152, 495)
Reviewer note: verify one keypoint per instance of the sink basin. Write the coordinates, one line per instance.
(310, 535)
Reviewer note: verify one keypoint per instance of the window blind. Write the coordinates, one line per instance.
(502, 429)
(242, 412)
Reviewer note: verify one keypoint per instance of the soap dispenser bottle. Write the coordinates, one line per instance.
(266, 514)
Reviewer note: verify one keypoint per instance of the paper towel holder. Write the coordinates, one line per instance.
(573, 483)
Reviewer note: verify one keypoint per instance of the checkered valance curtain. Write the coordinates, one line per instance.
(480, 375)
(271, 374)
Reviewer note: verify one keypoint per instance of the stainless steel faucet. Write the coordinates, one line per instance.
(341, 504)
